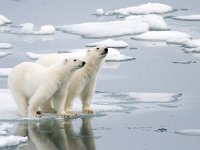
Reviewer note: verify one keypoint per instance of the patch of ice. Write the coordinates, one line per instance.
(109, 43)
(193, 43)
(27, 28)
(4, 20)
(102, 102)
(134, 97)
(187, 17)
(99, 12)
(155, 22)
(113, 55)
(106, 29)
(6, 141)
(175, 37)
(149, 8)
(4, 54)
(189, 132)
(6, 46)
(5, 71)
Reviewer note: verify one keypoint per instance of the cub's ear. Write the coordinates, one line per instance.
(88, 51)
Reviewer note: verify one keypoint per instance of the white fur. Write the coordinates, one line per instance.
(32, 84)
(83, 82)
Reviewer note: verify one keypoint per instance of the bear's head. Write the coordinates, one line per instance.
(73, 64)
(98, 52)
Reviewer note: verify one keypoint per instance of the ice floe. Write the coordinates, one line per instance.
(4, 20)
(4, 54)
(109, 43)
(105, 29)
(187, 17)
(155, 22)
(148, 8)
(102, 102)
(99, 12)
(27, 28)
(136, 97)
(4, 72)
(193, 43)
(6, 46)
(113, 55)
(175, 37)
(11, 140)
(189, 132)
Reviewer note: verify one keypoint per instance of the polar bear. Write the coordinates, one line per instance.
(83, 82)
(32, 84)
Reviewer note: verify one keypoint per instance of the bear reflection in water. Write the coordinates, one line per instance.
(57, 135)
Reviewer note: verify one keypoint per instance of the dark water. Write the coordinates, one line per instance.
(152, 71)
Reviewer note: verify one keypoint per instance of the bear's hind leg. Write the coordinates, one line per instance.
(22, 103)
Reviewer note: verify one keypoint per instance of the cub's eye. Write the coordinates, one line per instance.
(74, 59)
(97, 48)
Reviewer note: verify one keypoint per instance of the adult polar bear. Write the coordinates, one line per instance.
(32, 84)
(83, 82)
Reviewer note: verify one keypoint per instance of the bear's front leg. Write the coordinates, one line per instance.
(36, 101)
(86, 97)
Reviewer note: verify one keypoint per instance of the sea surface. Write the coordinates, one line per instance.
(147, 126)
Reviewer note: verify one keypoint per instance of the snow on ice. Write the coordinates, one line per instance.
(149, 8)
(155, 22)
(175, 37)
(109, 43)
(105, 29)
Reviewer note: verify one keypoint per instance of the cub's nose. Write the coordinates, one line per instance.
(83, 63)
(106, 50)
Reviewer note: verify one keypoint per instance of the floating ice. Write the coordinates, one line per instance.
(113, 55)
(102, 102)
(99, 12)
(27, 28)
(4, 54)
(189, 132)
(149, 8)
(155, 22)
(4, 20)
(6, 46)
(193, 43)
(109, 43)
(6, 141)
(187, 17)
(164, 36)
(106, 29)
(184, 62)
(4, 127)
(4, 72)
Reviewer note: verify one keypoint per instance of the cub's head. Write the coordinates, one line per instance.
(98, 52)
(73, 64)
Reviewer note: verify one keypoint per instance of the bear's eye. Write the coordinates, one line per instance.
(97, 48)
(74, 59)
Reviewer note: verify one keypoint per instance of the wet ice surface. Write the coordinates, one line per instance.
(189, 132)
(105, 29)
(137, 97)
(155, 22)
(109, 43)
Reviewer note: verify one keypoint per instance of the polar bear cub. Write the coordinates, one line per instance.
(32, 84)
(83, 82)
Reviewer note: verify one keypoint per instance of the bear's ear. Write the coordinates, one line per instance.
(88, 51)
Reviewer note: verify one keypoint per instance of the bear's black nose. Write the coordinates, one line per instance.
(83, 63)
(106, 50)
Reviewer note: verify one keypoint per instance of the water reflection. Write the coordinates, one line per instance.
(57, 135)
